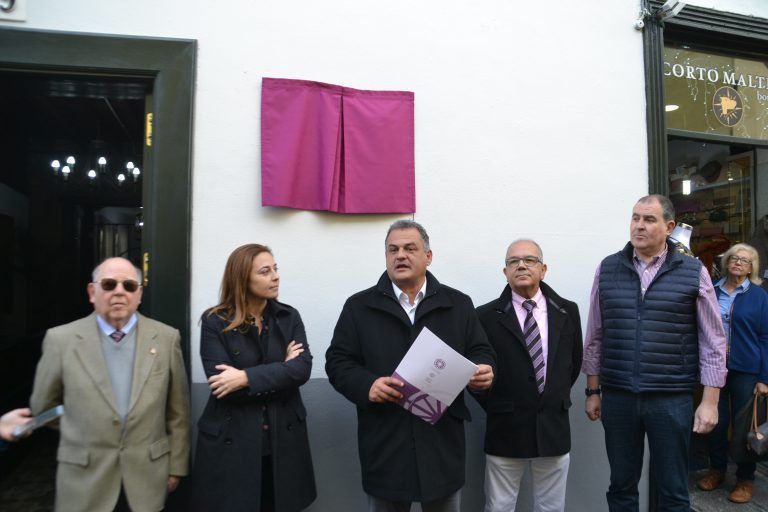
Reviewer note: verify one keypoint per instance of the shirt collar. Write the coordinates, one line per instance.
(518, 299)
(108, 329)
(742, 287)
(658, 259)
(419, 296)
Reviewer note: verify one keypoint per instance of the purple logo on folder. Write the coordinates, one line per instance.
(420, 403)
(439, 364)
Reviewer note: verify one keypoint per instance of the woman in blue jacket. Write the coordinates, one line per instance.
(744, 311)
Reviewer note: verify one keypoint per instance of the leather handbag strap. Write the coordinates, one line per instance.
(754, 412)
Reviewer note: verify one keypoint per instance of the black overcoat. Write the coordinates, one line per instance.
(520, 422)
(227, 467)
(402, 457)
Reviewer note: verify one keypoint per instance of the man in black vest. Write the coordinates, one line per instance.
(654, 332)
(537, 338)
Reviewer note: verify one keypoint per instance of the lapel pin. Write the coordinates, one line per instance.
(153, 351)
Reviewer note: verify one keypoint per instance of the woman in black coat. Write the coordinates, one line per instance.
(252, 446)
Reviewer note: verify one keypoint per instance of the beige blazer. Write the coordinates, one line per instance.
(94, 455)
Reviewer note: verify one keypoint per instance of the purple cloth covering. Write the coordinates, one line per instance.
(327, 147)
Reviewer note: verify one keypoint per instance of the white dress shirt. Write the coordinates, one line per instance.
(402, 298)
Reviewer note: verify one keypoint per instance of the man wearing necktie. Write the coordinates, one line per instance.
(121, 378)
(537, 338)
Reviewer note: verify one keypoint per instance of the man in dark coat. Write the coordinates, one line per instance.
(403, 458)
(537, 338)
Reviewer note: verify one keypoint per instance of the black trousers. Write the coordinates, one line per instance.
(122, 502)
(267, 485)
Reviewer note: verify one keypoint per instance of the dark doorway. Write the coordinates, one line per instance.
(70, 196)
(85, 96)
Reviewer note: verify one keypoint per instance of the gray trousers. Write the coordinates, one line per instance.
(502, 482)
(451, 503)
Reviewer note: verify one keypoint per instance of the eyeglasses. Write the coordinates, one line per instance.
(108, 284)
(528, 261)
(738, 259)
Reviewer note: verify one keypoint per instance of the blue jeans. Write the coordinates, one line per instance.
(738, 391)
(667, 419)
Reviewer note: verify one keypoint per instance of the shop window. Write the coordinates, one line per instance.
(711, 186)
(717, 133)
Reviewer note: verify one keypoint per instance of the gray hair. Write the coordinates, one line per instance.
(541, 253)
(667, 208)
(409, 224)
(754, 274)
(97, 270)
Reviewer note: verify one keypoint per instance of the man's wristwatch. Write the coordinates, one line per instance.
(590, 391)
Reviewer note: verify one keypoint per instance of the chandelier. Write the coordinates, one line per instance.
(100, 173)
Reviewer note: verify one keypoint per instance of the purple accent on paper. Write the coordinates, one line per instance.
(420, 403)
(439, 364)
(327, 147)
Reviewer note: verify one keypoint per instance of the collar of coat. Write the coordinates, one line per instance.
(88, 349)
(275, 308)
(673, 259)
(553, 299)
(385, 299)
(278, 308)
(385, 285)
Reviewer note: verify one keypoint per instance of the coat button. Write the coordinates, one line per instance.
(227, 441)
(116, 422)
(236, 351)
(289, 426)
(228, 418)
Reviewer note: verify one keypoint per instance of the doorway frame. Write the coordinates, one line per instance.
(167, 189)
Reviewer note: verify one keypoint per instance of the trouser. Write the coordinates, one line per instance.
(502, 482)
(122, 502)
(667, 420)
(738, 391)
(451, 503)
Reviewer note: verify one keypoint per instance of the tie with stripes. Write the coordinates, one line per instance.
(117, 336)
(532, 338)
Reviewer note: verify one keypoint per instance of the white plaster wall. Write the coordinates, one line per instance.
(523, 128)
(527, 125)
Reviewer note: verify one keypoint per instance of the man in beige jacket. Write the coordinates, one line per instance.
(121, 378)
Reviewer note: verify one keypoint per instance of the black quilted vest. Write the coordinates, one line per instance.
(649, 343)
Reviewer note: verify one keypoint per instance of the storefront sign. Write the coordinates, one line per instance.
(716, 93)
